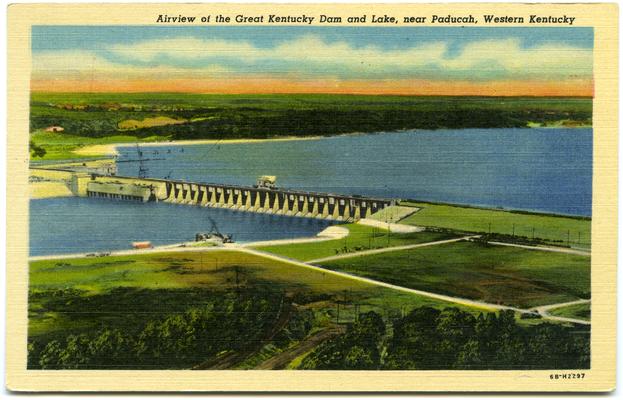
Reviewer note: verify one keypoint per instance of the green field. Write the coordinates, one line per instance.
(494, 274)
(63, 146)
(213, 271)
(132, 116)
(579, 311)
(361, 237)
(224, 309)
(551, 228)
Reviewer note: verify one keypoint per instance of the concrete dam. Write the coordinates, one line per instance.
(256, 198)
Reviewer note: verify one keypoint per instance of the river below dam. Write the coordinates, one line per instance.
(538, 169)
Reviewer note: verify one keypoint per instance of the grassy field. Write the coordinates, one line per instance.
(579, 311)
(167, 116)
(61, 146)
(361, 237)
(214, 271)
(495, 274)
(552, 229)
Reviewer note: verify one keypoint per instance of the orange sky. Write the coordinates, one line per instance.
(248, 85)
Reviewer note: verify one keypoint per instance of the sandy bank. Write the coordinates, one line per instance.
(111, 148)
(397, 228)
(98, 150)
(330, 233)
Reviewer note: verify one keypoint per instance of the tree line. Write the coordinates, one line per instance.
(257, 122)
(432, 339)
(174, 340)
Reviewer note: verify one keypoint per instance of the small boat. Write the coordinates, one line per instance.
(142, 245)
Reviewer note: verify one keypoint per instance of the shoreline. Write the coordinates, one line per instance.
(110, 149)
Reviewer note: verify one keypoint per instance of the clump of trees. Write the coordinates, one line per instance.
(182, 328)
(432, 339)
(358, 348)
(36, 150)
(177, 340)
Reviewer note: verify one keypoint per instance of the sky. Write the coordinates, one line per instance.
(541, 61)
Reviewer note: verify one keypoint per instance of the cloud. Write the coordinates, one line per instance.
(185, 48)
(88, 65)
(312, 57)
(547, 60)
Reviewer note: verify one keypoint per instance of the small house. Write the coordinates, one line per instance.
(54, 129)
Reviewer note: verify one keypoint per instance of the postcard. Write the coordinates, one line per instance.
(312, 197)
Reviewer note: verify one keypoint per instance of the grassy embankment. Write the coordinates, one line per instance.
(90, 119)
(579, 311)
(361, 237)
(553, 229)
(393, 214)
(495, 274)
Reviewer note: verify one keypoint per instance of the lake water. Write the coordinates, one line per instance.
(547, 170)
(73, 224)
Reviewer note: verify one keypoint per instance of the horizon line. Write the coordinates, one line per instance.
(309, 94)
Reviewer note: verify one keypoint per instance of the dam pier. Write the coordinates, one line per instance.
(263, 197)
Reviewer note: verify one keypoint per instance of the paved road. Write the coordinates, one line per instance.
(544, 311)
(159, 249)
(310, 265)
(452, 299)
(545, 248)
(388, 249)
(459, 300)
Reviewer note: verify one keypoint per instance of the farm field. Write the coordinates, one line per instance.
(550, 228)
(361, 237)
(495, 274)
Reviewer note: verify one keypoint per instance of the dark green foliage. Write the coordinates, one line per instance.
(297, 328)
(35, 150)
(358, 348)
(432, 339)
(214, 116)
(453, 339)
(133, 338)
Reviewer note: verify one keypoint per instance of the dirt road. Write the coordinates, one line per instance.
(281, 360)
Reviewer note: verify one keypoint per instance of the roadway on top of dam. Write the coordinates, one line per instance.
(245, 187)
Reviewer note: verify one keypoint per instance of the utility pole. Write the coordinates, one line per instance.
(533, 233)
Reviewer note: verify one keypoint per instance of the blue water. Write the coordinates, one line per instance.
(548, 170)
(73, 224)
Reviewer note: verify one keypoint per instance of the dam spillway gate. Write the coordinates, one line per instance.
(242, 198)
